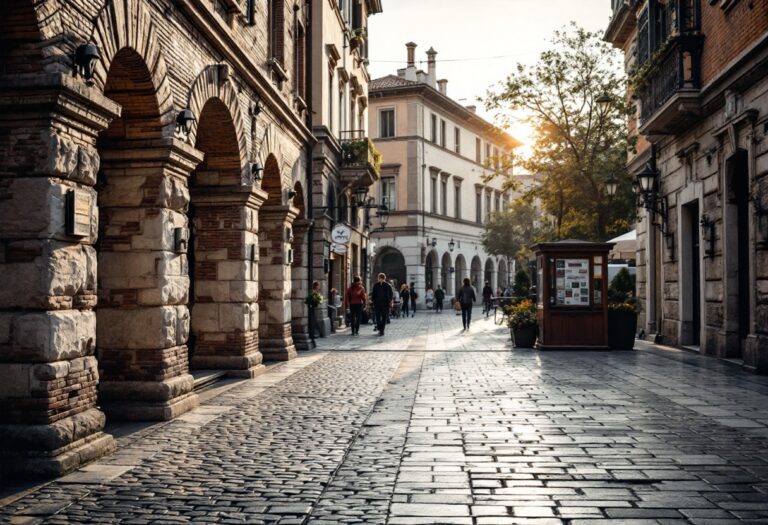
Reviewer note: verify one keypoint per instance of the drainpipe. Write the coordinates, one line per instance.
(312, 321)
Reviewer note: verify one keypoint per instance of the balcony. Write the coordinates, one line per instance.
(360, 162)
(622, 24)
(668, 87)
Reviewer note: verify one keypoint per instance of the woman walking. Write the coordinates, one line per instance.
(405, 298)
(356, 299)
(466, 298)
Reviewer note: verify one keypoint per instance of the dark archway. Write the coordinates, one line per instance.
(460, 272)
(430, 271)
(391, 262)
(445, 274)
(490, 274)
(477, 273)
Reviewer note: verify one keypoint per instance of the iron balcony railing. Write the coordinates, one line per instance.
(358, 151)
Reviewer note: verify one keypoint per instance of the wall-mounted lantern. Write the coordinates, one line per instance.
(85, 59)
(451, 245)
(181, 240)
(761, 215)
(184, 120)
(708, 233)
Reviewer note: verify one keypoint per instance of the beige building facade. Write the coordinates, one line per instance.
(437, 156)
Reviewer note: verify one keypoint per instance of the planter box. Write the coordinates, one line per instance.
(524, 338)
(622, 327)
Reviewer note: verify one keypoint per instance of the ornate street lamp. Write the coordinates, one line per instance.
(361, 192)
(383, 215)
(646, 180)
(611, 186)
(85, 59)
(451, 244)
(604, 102)
(434, 242)
(256, 170)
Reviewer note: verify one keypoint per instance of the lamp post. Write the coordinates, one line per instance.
(611, 186)
(451, 244)
(604, 102)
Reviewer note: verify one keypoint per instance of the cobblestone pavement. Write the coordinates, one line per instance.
(429, 425)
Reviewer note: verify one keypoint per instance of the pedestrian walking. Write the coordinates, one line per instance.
(487, 296)
(439, 298)
(382, 296)
(466, 298)
(414, 296)
(405, 299)
(356, 298)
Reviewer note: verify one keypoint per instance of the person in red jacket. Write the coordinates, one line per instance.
(356, 297)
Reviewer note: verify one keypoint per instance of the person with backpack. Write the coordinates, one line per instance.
(414, 296)
(405, 298)
(382, 296)
(439, 298)
(466, 298)
(487, 296)
(356, 298)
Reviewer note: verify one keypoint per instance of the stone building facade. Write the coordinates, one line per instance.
(698, 72)
(437, 156)
(137, 244)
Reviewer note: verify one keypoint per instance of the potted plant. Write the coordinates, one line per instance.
(623, 308)
(522, 285)
(356, 37)
(523, 325)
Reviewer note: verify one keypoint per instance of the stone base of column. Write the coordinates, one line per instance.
(278, 349)
(41, 451)
(302, 341)
(756, 353)
(148, 400)
(248, 366)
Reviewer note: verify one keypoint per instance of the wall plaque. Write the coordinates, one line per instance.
(78, 213)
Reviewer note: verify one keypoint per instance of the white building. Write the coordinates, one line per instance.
(437, 155)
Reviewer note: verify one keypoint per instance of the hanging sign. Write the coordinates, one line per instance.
(341, 234)
(339, 249)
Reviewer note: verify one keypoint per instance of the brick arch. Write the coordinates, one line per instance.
(270, 146)
(272, 181)
(216, 136)
(128, 24)
(209, 86)
(299, 201)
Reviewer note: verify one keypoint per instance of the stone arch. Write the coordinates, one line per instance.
(431, 270)
(272, 181)
(460, 272)
(477, 273)
(446, 262)
(128, 24)
(216, 136)
(300, 272)
(490, 273)
(271, 146)
(209, 86)
(391, 261)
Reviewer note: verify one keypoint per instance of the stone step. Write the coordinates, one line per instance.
(205, 379)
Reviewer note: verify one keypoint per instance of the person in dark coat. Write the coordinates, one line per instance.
(356, 298)
(405, 299)
(382, 297)
(466, 298)
(414, 296)
(439, 298)
(487, 296)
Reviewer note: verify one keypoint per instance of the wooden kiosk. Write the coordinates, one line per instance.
(572, 288)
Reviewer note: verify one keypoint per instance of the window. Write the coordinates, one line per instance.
(299, 49)
(478, 207)
(341, 109)
(433, 187)
(487, 206)
(457, 200)
(433, 136)
(343, 210)
(457, 140)
(388, 195)
(444, 196)
(330, 101)
(277, 30)
(487, 152)
(478, 151)
(443, 140)
(386, 123)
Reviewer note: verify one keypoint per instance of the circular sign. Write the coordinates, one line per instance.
(339, 249)
(341, 234)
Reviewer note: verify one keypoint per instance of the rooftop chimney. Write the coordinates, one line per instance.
(442, 86)
(410, 72)
(431, 68)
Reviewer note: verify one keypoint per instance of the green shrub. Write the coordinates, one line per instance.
(522, 283)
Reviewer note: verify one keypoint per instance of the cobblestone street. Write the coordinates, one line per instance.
(429, 425)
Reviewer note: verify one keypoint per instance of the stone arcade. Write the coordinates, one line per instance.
(180, 254)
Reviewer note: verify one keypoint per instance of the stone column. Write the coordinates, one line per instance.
(48, 371)
(142, 319)
(276, 341)
(225, 280)
(300, 286)
(450, 286)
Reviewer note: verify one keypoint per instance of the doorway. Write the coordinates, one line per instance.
(737, 173)
(690, 292)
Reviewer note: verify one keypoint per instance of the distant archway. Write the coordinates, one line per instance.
(445, 274)
(431, 270)
(477, 273)
(460, 272)
(490, 274)
(391, 262)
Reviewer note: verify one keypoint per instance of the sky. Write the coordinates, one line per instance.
(479, 42)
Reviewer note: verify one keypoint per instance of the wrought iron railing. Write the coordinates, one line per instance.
(358, 151)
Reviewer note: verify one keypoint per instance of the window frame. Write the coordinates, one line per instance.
(381, 113)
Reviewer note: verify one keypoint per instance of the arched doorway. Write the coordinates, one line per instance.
(445, 274)
(503, 274)
(391, 262)
(477, 273)
(142, 320)
(275, 233)
(460, 272)
(222, 254)
(431, 271)
(490, 274)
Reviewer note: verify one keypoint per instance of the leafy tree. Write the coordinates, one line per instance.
(579, 145)
(508, 233)
(522, 283)
(622, 286)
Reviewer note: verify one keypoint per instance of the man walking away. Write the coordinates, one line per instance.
(487, 296)
(356, 298)
(414, 296)
(467, 298)
(439, 298)
(382, 296)
(405, 299)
